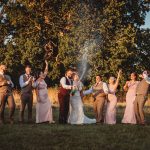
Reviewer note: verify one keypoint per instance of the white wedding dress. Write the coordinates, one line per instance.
(76, 108)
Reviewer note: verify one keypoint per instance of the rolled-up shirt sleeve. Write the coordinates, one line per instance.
(105, 88)
(22, 83)
(147, 79)
(12, 84)
(89, 91)
(63, 83)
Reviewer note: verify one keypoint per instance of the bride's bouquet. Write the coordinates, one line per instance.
(74, 90)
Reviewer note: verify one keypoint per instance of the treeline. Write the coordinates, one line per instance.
(100, 36)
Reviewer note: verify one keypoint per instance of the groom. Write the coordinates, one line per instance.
(64, 96)
(99, 91)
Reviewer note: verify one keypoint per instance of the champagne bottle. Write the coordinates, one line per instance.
(73, 91)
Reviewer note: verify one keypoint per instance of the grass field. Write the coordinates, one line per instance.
(86, 137)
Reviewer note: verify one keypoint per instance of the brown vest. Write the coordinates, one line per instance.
(97, 88)
(28, 88)
(65, 91)
(142, 88)
(5, 88)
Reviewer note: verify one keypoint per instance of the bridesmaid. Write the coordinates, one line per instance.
(43, 106)
(130, 87)
(110, 116)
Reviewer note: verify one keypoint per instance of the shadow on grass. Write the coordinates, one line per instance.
(88, 137)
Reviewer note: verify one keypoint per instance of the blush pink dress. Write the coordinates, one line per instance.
(129, 114)
(43, 106)
(110, 116)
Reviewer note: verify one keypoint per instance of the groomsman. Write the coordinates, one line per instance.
(26, 82)
(64, 96)
(99, 91)
(141, 97)
(6, 95)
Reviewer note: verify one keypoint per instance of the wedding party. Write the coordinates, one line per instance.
(74, 74)
(70, 94)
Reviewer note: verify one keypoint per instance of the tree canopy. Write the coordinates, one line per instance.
(95, 36)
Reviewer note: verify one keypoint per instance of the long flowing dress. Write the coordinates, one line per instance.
(76, 108)
(129, 114)
(110, 116)
(43, 106)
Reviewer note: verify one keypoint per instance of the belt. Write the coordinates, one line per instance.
(139, 94)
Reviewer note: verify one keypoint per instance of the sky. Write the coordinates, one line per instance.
(147, 21)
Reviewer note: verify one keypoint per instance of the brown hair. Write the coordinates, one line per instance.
(73, 75)
(135, 74)
(69, 70)
(27, 66)
(99, 75)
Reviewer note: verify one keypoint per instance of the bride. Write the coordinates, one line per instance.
(76, 106)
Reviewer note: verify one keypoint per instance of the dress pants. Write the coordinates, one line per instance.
(9, 99)
(99, 104)
(26, 99)
(63, 107)
(138, 108)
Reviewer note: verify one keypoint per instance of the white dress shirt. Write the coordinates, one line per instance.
(63, 83)
(23, 84)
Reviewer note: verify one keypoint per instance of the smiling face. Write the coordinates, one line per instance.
(133, 76)
(76, 77)
(3, 68)
(98, 79)
(69, 74)
(28, 70)
(42, 75)
(111, 80)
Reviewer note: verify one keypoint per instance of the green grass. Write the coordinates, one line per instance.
(86, 137)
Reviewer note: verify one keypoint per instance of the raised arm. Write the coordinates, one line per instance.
(117, 80)
(89, 91)
(147, 80)
(46, 68)
(126, 86)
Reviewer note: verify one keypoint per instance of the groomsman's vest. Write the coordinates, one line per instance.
(28, 88)
(5, 88)
(65, 91)
(97, 88)
(142, 88)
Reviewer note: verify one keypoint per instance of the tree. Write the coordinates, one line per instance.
(92, 35)
(143, 49)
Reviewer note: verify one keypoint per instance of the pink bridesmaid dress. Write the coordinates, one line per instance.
(129, 114)
(43, 107)
(110, 116)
